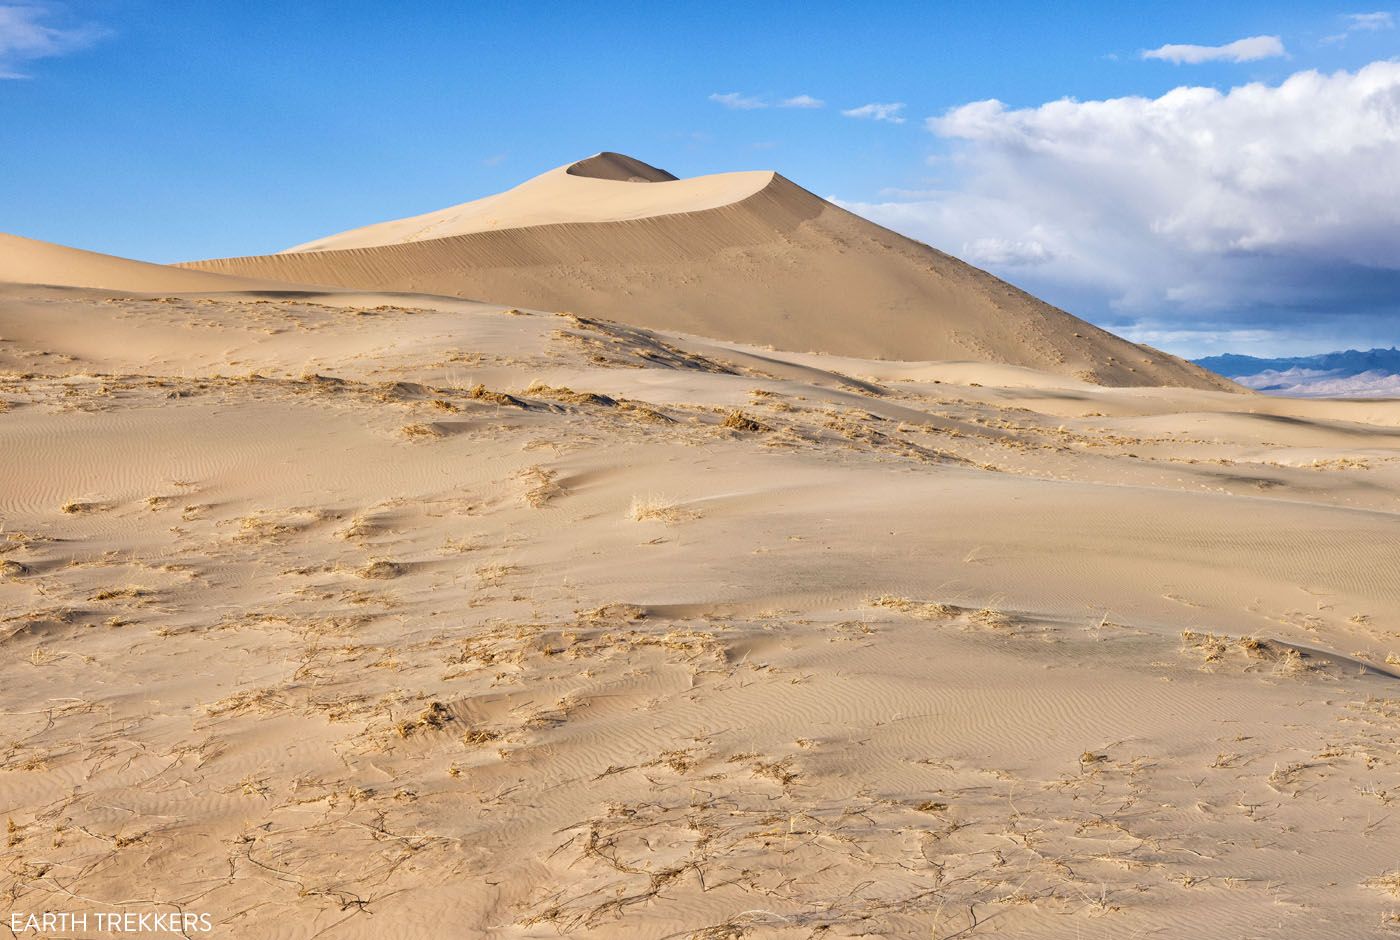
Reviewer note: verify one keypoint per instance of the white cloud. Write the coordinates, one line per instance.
(1362, 23)
(738, 101)
(1241, 50)
(1199, 204)
(878, 112)
(1369, 22)
(1002, 252)
(24, 37)
(802, 101)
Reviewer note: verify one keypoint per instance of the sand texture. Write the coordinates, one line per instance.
(346, 615)
(744, 257)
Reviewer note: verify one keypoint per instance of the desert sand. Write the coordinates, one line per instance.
(748, 257)
(339, 612)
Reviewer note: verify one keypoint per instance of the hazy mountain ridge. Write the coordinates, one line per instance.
(1351, 372)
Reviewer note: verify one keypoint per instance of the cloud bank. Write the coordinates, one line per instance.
(1264, 206)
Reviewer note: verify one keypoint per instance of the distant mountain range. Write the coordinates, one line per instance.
(1371, 373)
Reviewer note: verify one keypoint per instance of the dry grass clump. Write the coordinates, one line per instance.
(10, 568)
(569, 396)
(480, 392)
(360, 527)
(1388, 882)
(322, 381)
(272, 526)
(656, 508)
(1338, 463)
(113, 593)
(382, 570)
(628, 613)
(74, 507)
(993, 619)
(433, 718)
(779, 770)
(642, 412)
(260, 700)
(1214, 649)
(493, 575)
(480, 736)
(924, 610)
(540, 486)
(1091, 759)
(1209, 646)
(421, 431)
(736, 420)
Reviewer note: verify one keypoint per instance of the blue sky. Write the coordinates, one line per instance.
(1243, 221)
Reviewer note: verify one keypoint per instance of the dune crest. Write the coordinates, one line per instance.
(618, 166)
(746, 257)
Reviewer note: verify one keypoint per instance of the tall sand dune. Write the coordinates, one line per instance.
(746, 257)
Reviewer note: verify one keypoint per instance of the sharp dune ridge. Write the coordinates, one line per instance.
(748, 257)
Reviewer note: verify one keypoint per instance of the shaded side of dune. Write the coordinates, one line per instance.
(781, 267)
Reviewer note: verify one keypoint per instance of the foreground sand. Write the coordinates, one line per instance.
(350, 615)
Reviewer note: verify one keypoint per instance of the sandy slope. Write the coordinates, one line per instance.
(378, 616)
(27, 261)
(747, 257)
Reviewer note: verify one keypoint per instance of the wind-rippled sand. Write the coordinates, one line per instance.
(353, 615)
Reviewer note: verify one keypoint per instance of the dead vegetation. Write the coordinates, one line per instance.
(479, 392)
(420, 431)
(569, 396)
(653, 507)
(434, 717)
(737, 420)
(1247, 652)
(541, 486)
(924, 610)
(382, 570)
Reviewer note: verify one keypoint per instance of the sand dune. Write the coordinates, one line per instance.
(26, 261)
(340, 615)
(746, 257)
(825, 586)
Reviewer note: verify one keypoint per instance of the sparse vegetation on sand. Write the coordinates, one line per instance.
(654, 507)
